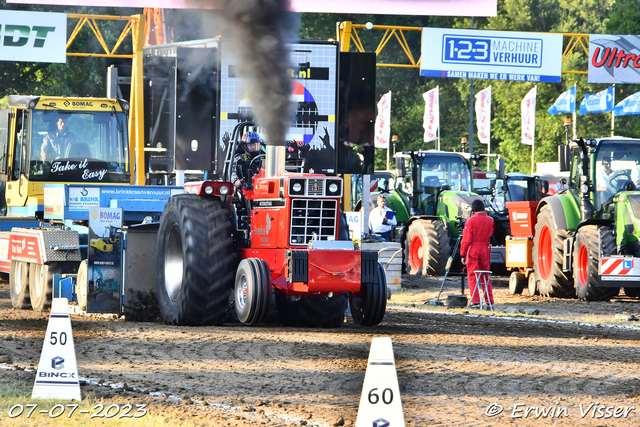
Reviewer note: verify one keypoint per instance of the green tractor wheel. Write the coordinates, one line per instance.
(586, 257)
(426, 247)
(547, 258)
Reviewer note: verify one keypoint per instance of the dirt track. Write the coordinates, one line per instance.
(451, 366)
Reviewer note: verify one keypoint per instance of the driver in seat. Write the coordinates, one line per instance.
(55, 143)
(244, 163)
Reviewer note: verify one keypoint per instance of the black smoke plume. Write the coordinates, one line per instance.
(258, 31)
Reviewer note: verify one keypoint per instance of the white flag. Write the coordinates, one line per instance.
(483, 115)
(431, 114)
(528, 107)
(383, 125)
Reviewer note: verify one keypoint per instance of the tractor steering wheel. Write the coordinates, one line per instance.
(252, 165)
(619, 180)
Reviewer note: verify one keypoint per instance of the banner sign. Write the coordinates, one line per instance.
(483, 114)
(491, 55)
(431, 114)
(528, 107)
(380, 7)
(33, 36)
(566, 102)
(383, 122)
(614, 58)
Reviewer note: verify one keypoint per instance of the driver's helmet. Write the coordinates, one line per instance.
(251, 143)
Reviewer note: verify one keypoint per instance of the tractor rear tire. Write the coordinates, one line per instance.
(82, 284)
(311, 312)
(547, 258)
(426, 247)
(252, 291)
(41, 282)
(195, 261)
(632, 292)
(516, 283)
(369, 308)
(586, 259)
(19, 285)
(532, 284)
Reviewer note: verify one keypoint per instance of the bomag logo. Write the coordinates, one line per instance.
(82, 104)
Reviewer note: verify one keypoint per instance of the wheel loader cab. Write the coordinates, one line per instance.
(93, 147)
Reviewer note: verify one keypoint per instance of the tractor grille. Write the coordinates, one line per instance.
(634, 202)
(312, 216)
(316, 187)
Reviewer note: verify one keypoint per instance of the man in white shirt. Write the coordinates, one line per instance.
(382, 219)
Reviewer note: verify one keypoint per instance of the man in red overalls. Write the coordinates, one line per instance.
(475, 247)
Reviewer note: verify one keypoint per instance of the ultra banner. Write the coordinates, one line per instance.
(33, 36)
(491, 55)
(614, 58)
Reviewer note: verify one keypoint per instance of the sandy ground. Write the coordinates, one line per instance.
(573, 362)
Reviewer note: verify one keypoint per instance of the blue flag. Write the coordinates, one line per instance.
(630, 105)
(566, 102)
(601, 102)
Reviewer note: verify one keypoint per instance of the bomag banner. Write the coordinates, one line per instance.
(614, 58)
(33, 36)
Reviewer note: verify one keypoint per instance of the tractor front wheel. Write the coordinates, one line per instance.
(368, 309)
(586, 258)
(195, 261)
(252, 291)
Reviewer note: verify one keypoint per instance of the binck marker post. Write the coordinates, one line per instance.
(57, 376)
(380, 403)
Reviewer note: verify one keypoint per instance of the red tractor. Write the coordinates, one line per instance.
(280, 239)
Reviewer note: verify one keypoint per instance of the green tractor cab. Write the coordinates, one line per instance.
(433, 193)
(586, 237)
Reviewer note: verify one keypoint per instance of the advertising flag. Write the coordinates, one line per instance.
(601, 102)
(483, 114)
(383, 125)
(629, 105)
(566, 102)
(431, 115)
(528, 107)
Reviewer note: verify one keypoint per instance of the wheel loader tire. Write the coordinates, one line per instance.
(586, 259)
(426, 248)
(369, 308)
(632, 292)
(195, 261)
(252, 294)
(82, 284)
(532, 284)
(547, 258)
(41, 282)
(516, 283)
(311, 312)
(19, 285)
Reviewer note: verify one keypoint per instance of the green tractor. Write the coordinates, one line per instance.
(586, 237)
(432, 195)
